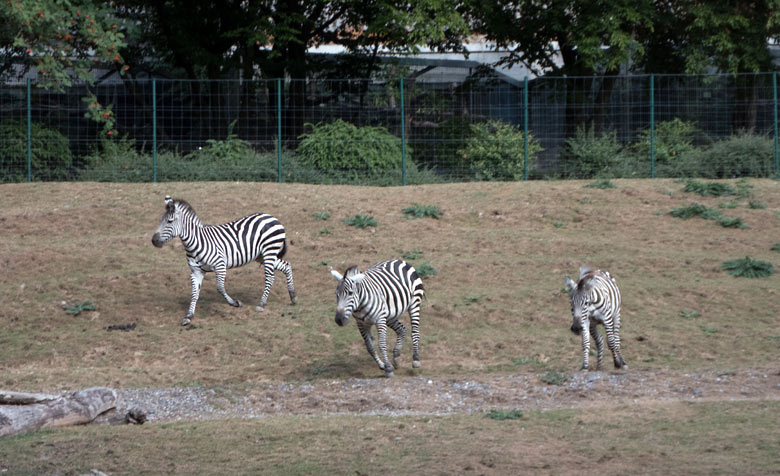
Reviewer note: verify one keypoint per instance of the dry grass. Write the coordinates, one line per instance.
(501, 251)
(648, 438)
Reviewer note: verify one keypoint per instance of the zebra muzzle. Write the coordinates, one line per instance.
(156, 241)
(341, 318)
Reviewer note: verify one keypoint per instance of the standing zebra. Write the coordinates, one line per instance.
(595, 299)
(378, 297)
(220, 247)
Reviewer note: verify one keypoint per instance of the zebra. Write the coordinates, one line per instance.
(218, 248)
(378, 297)
(595, 299)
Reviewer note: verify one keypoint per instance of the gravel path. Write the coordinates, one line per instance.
(420, 395)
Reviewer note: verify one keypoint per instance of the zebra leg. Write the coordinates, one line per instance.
(594, 332)
(221, 272)
(268, 266)
(381, 336)
(400, 331)
(585, 348)
(414, 314)
(365, 332)
(284, 266)
(196, 278)
(613, 341)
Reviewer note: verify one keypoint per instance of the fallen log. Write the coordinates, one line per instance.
(22, 412)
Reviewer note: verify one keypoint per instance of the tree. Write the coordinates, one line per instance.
(64, 40)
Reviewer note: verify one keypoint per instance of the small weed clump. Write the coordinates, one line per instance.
(775, 247)
(360, 221)
(425, 269)
(324, 231)
(689, 314)
(601, 183)
(554, 378)
(412, 255)
(708, 213)
(748, 268)
(501, 415)
(729, 204)
(77, 308)
(422, 211)
(321, 215)
(756, 205)
(709, 188)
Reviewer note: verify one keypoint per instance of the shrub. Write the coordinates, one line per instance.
(748, 268)
(504, 414)
(775, 247)
(425, 269)
(494, 151)
(588, 156)
(675, 154)
(695, 210)
(438, 147)
(321, 215)
(708, 188)
(554, 378)
(601, 183)
(50, 154)
(412, 255)
(741, 155)
(343, 147)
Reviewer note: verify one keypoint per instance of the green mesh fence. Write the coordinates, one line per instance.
(403, 131)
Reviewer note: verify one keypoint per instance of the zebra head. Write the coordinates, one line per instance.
(346, 293)
(581, 307)
(170, 224)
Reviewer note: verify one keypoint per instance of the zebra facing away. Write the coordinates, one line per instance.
(595, 299)
(220, 247)
(378, 297)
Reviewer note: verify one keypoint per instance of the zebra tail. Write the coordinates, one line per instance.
(284, 250)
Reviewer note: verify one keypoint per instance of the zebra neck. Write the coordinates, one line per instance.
(191, 234)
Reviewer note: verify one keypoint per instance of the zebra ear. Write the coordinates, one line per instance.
(584, 270)
(336, 274)
(570, 285)
(169, 206)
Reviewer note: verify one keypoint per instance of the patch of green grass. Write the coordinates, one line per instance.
(360, 221)
(324, 231)
(735, 222)
(525, 361)
(747, 267)
(729, 204)
(552, 377)
(775, 247)
(501, 415)
(412, 255)
(707, 213)
(601, 183)
(690, 314)
(744, 189)
(425, 269)
(559, 224)
(468, 300)
(422, 211)
(709, 188)
(321, 215)
(756, 205)
(77, 308)
(709, 330)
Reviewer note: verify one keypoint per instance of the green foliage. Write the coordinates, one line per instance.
(775, 247)
(709, 330)
(51, 158)
(494, 151)
(689, 314)
(343, 147)
(559, 224)
(709, 188)
(360, 221)
(425, 269)
(77, 308)
(324, 231)
(501, 415)
(756, 205)
(741, 155)
(439, 147)
(748, 268)
(601, 183)
(412, 255)
(744, 188)
(589, 156)
(727, 222)
(525, 361)
(321, 215)
(422, 211)
(674, 149)
(552, 377)
(707, 213)
(729, 204)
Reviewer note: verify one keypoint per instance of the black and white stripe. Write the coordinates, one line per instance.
(595, 299)
(378, 297)
(218, 248)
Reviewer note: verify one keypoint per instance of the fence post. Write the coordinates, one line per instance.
(403, 136)
(774, 97)
(29, 133)
(652, 126)
(154, 130)
(525, 128)
(279, 130)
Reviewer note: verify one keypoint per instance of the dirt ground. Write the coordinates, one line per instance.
(424, 396)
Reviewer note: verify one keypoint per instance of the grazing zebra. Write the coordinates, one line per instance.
(378, 297)
(220, 247)
(595, 299)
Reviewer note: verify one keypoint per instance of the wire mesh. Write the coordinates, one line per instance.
(364, 131)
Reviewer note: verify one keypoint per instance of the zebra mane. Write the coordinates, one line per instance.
(351, 271)
(586, 275)
(185, 205)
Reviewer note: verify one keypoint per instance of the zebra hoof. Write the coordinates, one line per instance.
(237, 303)
(293, 298)
(416, 364)
(186, 321)
(388, 374)
(259, 309)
